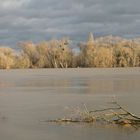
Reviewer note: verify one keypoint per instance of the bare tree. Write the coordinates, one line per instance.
(6, 57)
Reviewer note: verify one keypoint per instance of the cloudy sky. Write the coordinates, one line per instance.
(38, 20)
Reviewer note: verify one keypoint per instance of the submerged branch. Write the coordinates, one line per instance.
(127, 112)
(112, 115)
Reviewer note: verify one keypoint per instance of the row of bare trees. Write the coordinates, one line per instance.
(47, 54)
(102, 52)
(109, 51)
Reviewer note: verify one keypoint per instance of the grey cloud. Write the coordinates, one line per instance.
(44, 19)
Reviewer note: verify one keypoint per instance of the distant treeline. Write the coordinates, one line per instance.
(105, 51)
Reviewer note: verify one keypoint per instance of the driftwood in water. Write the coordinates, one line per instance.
(113, 115)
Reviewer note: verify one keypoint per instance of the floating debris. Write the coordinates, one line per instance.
(112, 115)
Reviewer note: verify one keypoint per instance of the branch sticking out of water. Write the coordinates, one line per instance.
(112, 115)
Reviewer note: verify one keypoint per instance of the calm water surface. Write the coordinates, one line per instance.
(29, 97)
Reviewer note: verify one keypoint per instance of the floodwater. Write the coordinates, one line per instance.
(30, 97)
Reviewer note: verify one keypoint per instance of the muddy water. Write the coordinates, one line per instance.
(29, 97)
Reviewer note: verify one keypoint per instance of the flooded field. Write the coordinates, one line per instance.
(29, 97)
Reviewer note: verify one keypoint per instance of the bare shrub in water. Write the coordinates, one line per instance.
(108, 116)
(21, 61)
(43, 49)
(6, 58)
(106, 51)
(86, 54)
(104, 57)
(123, 56)
(59, 54)
(29, 49)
